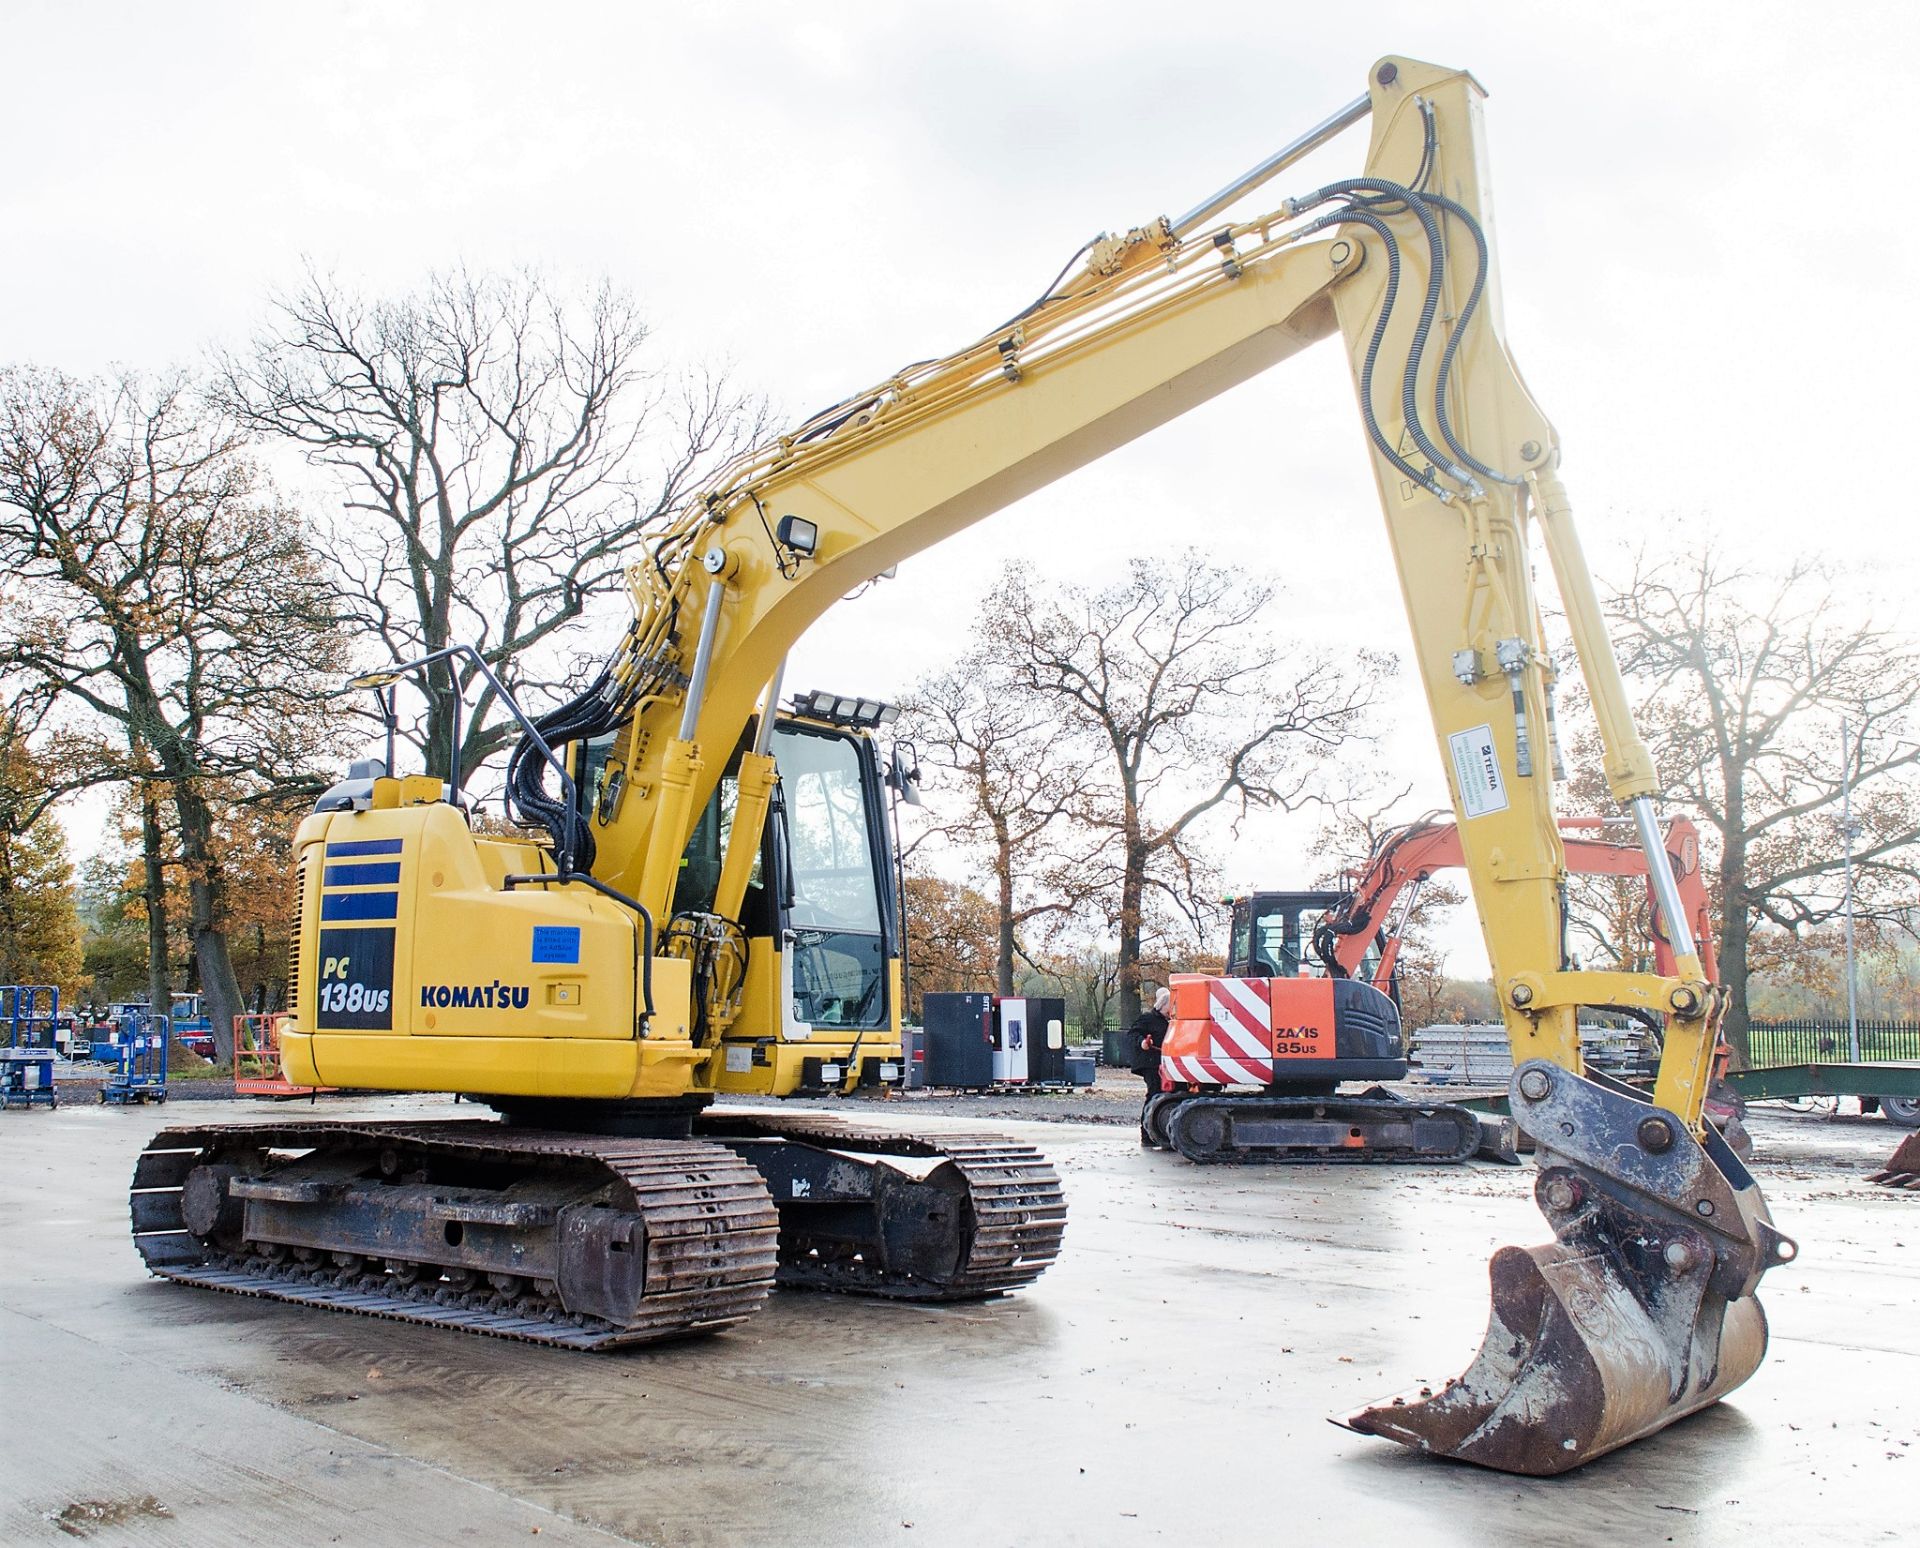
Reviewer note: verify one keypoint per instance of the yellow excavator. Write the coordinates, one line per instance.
(707, 909)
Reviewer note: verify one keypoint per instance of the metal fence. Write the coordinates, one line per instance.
(1809, 1041)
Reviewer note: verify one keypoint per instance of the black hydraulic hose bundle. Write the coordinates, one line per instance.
(591, 713)
(1367, 200)
(1375, 434)
(1367, 211)
(602, 707)
(717, 948)
(1429, 305)
(1467, 309)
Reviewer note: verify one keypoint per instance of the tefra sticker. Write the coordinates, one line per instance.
(1476, 771)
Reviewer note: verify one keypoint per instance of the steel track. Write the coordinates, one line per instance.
(714, 1248)
(1016, 1215)
(1385, 1125)
(711, 1231)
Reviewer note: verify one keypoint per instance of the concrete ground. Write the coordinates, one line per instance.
(1168, 1381)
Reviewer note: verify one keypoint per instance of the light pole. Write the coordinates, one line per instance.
(1846, 834)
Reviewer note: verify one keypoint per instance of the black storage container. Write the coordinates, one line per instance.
(959, 1033)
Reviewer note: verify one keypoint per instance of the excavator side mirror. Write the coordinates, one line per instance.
(904, 773)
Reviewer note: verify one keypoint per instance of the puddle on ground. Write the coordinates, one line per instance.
(84, 1517)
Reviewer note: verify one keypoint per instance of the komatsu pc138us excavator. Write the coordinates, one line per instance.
(597, 991)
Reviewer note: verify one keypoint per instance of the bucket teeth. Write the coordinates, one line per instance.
(1903, 1166)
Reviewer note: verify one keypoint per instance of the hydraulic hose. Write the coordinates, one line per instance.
(1360, 207)
(1472, 304)
(586, 715)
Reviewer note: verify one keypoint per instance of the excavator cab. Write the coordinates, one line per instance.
(1271, 933)
(835, 911)
(1283, 934)
(820, 916)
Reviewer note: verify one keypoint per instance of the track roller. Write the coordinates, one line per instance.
(1243, 1127)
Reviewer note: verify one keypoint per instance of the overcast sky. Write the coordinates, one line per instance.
(1707, 242)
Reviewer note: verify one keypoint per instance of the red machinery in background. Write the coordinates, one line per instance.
(1254, 1059)
(257, 1070)
(1366, 916)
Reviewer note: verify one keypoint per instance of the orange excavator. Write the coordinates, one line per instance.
(1406, 858)
(1373, 912)
(1254, 1058)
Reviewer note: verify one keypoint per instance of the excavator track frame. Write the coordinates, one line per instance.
(987, 1218)
(710, 1224)
(1249, 1128)
(703, 1225)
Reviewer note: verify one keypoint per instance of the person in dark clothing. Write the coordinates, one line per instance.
(1144, 1039)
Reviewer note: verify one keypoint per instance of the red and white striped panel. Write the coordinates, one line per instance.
(1239, 1042)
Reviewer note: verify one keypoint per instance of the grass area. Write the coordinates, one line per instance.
(201, 1071)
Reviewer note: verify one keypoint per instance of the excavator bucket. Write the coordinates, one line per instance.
(1903, 1169)
(1575, 1363)
(1640, 1312)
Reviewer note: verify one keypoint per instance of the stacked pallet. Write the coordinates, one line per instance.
(1479, 1054)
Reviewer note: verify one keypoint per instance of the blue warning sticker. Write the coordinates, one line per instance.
(556, 943)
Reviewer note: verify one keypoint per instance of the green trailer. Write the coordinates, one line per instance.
(1893, 1086)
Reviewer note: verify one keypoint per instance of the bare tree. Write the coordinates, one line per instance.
(1194, 709)
(163, 593)
(1610, 919)
(482, 435)
(949, 937)
(1086, 974)
(1743, 680)
(1088, 979)
(1014, 789)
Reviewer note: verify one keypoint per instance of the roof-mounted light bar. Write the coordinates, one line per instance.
(841, 709)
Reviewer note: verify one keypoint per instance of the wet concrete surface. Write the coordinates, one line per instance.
(1168, 1381)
